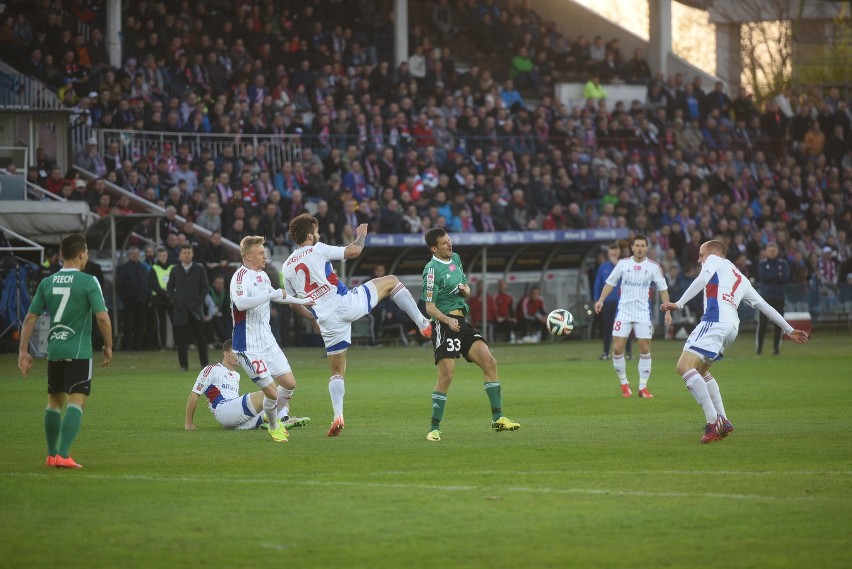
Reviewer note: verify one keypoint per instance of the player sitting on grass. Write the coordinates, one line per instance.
(724, 288)
(220, 383)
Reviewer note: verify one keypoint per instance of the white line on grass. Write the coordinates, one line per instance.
(431, 487)
(643, 472)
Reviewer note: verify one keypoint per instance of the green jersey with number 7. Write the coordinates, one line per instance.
(71, 297)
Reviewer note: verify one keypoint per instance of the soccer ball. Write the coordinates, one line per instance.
(560, 322)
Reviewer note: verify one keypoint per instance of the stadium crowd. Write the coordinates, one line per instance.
(430, 142)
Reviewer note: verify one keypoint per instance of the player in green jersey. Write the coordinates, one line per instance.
(445, 289)
(71, 296)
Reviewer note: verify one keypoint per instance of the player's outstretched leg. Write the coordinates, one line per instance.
(400, 295)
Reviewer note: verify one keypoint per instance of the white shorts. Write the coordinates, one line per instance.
(336, 328)
(263, 366)
(238, 414)
(710, 339)
(643, 330)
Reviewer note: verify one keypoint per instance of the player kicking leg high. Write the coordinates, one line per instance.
(724, 288)
(308, 274)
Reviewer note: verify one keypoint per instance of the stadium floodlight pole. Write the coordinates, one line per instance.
(400, 31)
(113, 36)
(660, 34)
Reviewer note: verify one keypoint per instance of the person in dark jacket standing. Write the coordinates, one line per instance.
(135, 293)
(773, 273)
(187, 289)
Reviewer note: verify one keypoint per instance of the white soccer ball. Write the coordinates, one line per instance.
(560, 322)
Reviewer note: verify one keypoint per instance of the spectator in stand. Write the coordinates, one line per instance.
(183, 173)
(637, 70)
(521, 71)
(475, 313)
(214, 255)
(593, 90)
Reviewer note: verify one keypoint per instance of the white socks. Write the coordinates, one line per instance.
(715, 395)
(620, 368)
(644, 369)
(696, 385)
(284, 396)
(270, 407)
(405, 301)
(337, 390)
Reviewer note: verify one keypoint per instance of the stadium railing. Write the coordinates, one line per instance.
(21, 91)
(135, 144)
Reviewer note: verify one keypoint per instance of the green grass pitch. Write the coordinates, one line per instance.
(590, 479)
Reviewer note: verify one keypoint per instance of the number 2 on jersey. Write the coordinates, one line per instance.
(309, 286)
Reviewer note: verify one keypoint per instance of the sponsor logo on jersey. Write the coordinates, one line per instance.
(430, 284)
(259, 279)
(452, 267)
(637, 267)
(729, 298)
(319, 291)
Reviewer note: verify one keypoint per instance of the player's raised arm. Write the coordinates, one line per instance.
(354, 249)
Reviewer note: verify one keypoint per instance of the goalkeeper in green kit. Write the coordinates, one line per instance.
(445, 289)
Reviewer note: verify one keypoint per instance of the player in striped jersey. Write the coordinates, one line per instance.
(724, 288)
(220, 384)
(308, 273)
(255, 346)
(636, 274)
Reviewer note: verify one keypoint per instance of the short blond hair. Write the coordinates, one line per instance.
(250, 241)
(717, 247)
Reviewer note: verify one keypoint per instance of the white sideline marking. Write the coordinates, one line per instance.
(446, 488)
(644, 472)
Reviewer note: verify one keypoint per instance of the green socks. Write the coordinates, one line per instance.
(495, 398)
(439, 400)
(70, 427)
(52, 421)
